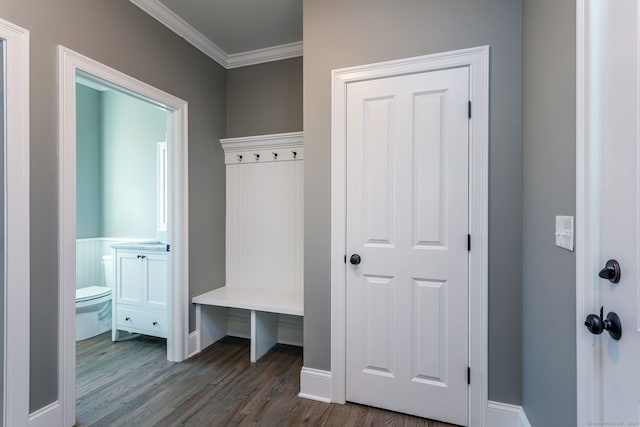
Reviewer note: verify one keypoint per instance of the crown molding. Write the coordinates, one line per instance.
(263, 142)
(268, 54)
(179, 26)
(169, 19)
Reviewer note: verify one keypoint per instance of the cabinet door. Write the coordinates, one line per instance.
(130, 278)
(156, 283)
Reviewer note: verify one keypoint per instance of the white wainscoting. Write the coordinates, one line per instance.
(264, 244)
(89, 252)
(89, 271)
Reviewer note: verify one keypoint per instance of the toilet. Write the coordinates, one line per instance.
(93, 305)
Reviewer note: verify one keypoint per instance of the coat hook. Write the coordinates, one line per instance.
(295, 154)
(256, 156)
(275, 155)
(239, 157)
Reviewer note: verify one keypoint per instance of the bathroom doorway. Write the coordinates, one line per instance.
(127, 215)
(121, 190)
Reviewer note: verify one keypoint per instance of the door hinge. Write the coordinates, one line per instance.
(469, 242)
(469, 109)
(345, 258)
(468, 375)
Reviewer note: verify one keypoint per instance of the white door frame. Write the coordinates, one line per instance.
(16, 225)
(477, 59)
(589, 174)
(70, 64)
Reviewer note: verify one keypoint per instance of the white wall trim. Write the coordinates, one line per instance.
(169, 19)
(270, 148)
(16, 225)
(179, 26)
(315, 384)
(477, 59)
(506, 415)
(70, 64)
(262, 142)
(268, 54)
(46, 417)
(589, 89)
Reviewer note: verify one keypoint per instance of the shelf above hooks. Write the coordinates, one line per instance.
(263, 148)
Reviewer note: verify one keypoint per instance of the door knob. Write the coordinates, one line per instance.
(355, 259)
(596, 324)
(611, 271)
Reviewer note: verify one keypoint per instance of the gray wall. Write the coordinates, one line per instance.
(122, 36)
(131, 130)
(548, 144)
(265, 98)
(88, 163)
(340, 33)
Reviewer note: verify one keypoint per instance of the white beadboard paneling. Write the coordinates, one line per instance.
(89, 270)
(89, 253)
(264, 225)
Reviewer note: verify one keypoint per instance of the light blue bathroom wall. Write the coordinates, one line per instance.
(131, 129)
(88, 163)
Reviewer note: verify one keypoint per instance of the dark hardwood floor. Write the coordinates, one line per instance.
(130, 383)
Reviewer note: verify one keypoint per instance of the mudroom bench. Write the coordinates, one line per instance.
(262, 298)
(264, 304)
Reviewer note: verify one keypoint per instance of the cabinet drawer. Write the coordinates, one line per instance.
(148, 323)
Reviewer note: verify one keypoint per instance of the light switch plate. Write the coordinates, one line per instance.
(564, 232)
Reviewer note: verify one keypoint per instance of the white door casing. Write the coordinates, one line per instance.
(407, 218)
(608, 200)
(16, 224)
(475, 61)
(70, 65)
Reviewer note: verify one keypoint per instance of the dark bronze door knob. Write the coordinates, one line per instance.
(611, 271)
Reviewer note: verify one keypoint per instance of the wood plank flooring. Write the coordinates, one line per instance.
(130, 383)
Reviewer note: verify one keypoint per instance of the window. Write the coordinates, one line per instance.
(162, 186)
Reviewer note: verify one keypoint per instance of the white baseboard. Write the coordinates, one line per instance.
(506, 415)
(315, 384)
(194, 339)
(46, 417)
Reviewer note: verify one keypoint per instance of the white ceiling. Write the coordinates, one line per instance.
(234, 32)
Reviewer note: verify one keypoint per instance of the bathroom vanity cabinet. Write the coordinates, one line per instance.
(141, 288)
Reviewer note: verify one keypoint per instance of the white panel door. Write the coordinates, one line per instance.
(617, 361)
(407, 219)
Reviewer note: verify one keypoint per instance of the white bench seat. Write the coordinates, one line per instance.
(265, 306)
(254, 299)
